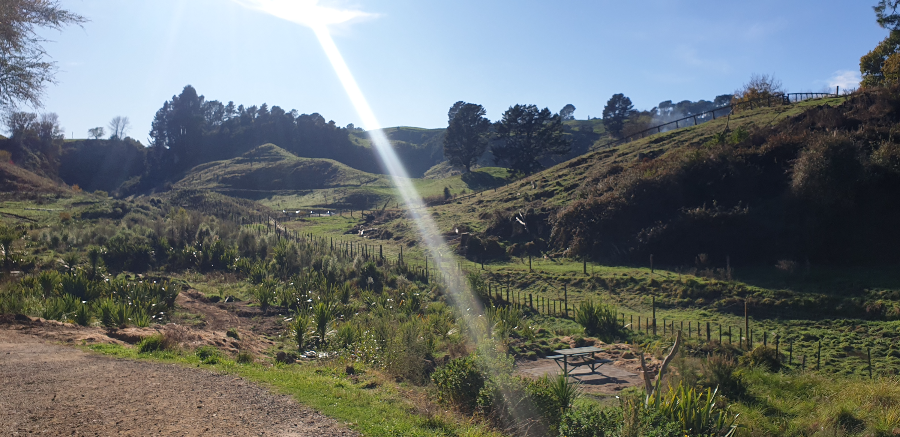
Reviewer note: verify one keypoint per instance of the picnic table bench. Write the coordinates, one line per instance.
(578, 357)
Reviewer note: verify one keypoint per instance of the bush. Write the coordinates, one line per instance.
(156, 343)
(459, 382)
(590, 420)
(245, 357)
(599, 320)
(718, 372)
(233, 333)
(763, 357)
(208, 354)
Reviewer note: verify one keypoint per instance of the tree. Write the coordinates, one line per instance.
(526, 135)
(881, 66)
(886, 13)
(24, 68)
(118, 126)
(96, 132)
(454, 109)
(618, 108)
(567, 112)
(467, 135)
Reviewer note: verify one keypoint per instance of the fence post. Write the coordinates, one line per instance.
(869, 354)
(791, 352)
(819, 356)
(654, 314)
(707, 331)
(566, 297)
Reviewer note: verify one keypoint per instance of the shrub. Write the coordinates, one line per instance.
(696, 411)
(208, 354)
(599, 320)
(83, 314)
(590, 420)
(245, 357)
(156, 343)
(299, 329)
(762, 356)
(265, 293)
(459, 383)
(233, 333)
(322, 314)
(719, 371)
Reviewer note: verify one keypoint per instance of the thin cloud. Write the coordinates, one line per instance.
(846, 79)
(307, 12)
(691, 57)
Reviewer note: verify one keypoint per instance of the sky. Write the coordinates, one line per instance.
(414, 58)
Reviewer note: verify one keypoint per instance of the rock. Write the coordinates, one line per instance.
(627, 356)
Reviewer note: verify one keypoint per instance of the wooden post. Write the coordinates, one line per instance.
(869, 355)
(740, 337)
(747, 321)
(584, 264)
(791, 352)
(529, 263)
(530, 301)
(566, 297)
(664, 327)
(765, 338)
(654, 313)
(707, 331)
(803, 363)
(651, 266)
(819, 356)
(720, 333)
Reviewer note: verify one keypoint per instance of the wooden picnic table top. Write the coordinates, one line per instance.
(575, 351)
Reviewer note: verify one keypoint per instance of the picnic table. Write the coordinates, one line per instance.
(578, 357)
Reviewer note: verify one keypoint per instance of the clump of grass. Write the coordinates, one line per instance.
(156, 343)
(245, 357)
(599, 319)
(233, 333)
(208, 354)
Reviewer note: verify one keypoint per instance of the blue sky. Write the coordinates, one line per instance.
(414, 58)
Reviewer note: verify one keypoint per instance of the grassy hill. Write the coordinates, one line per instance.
(16, 182)
(281, 180)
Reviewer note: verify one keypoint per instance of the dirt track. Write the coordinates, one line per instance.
(56, 390)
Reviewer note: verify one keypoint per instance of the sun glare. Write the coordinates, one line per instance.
(309, 13)
(304, 12)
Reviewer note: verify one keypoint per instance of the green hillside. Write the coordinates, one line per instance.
(281, 180)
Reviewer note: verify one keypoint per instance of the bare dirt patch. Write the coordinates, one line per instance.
(622, 372)
(56, 390)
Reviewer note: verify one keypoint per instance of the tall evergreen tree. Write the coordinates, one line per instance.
(526, 135)
(467, 135)
(618, 108)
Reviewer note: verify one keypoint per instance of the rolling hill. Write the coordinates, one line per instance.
(808, 182)
(279, 179)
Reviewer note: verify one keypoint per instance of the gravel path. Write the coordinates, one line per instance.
(54, 390)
